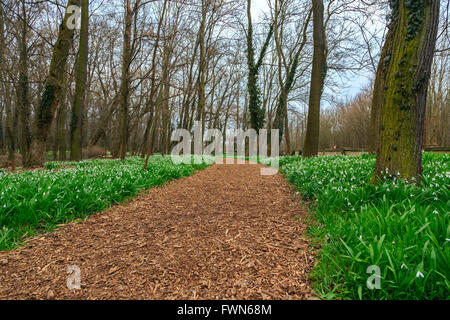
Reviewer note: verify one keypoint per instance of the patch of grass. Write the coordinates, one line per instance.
(32, 202)
(401, 228)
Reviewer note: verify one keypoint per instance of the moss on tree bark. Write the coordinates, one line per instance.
(414, 28)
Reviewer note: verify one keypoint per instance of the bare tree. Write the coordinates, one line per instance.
(318, 74)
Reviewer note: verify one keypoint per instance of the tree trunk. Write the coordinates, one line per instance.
(76, 125)
(125, 83)
(159, 104)
(60, 127)
(11, 116)
(378, 92)
(153, 86)
(414, 26)
(23, 98)
(254, 99)
(281, 120)
(49, 102)
(318, 74)
(201, 82)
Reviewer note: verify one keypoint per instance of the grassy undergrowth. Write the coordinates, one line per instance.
(401, 228)
(37, 201)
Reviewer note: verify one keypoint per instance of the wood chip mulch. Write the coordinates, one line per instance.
(224, 233)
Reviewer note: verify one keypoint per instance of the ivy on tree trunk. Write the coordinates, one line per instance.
(254, 92)
(406, 74)
(53, 85)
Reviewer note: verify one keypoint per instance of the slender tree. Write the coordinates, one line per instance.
(23, 88)
(281, 118)
(201, 81)
(163, 87)
(414, 26)
(318, 74)
(125, 81)
(11, 116)
(147, 141)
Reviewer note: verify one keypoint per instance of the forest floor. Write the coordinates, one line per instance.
(224, 233)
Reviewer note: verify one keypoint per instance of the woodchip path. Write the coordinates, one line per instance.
(224, 233)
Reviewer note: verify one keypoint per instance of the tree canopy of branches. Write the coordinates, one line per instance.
(133, 71)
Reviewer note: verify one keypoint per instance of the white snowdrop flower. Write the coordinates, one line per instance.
(435, 212)
(419, 274)
(403, 266)
(436, 199)
(360, 237)
(447, 239)
(388, 190)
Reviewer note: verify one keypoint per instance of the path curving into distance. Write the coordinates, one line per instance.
(224, 233)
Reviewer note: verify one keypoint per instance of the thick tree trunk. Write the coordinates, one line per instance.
(318, 74)
(49, 102)
(287, 137)
(378, 93)
(414, 26)
(76, 126)
(61, 129)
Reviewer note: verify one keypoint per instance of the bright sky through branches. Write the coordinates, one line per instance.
(350, 86)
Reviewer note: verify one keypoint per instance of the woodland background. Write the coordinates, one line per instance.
(186, 61)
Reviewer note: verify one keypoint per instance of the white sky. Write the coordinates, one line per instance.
(259, 7)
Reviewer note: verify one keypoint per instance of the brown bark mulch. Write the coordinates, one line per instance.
(224, 233)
